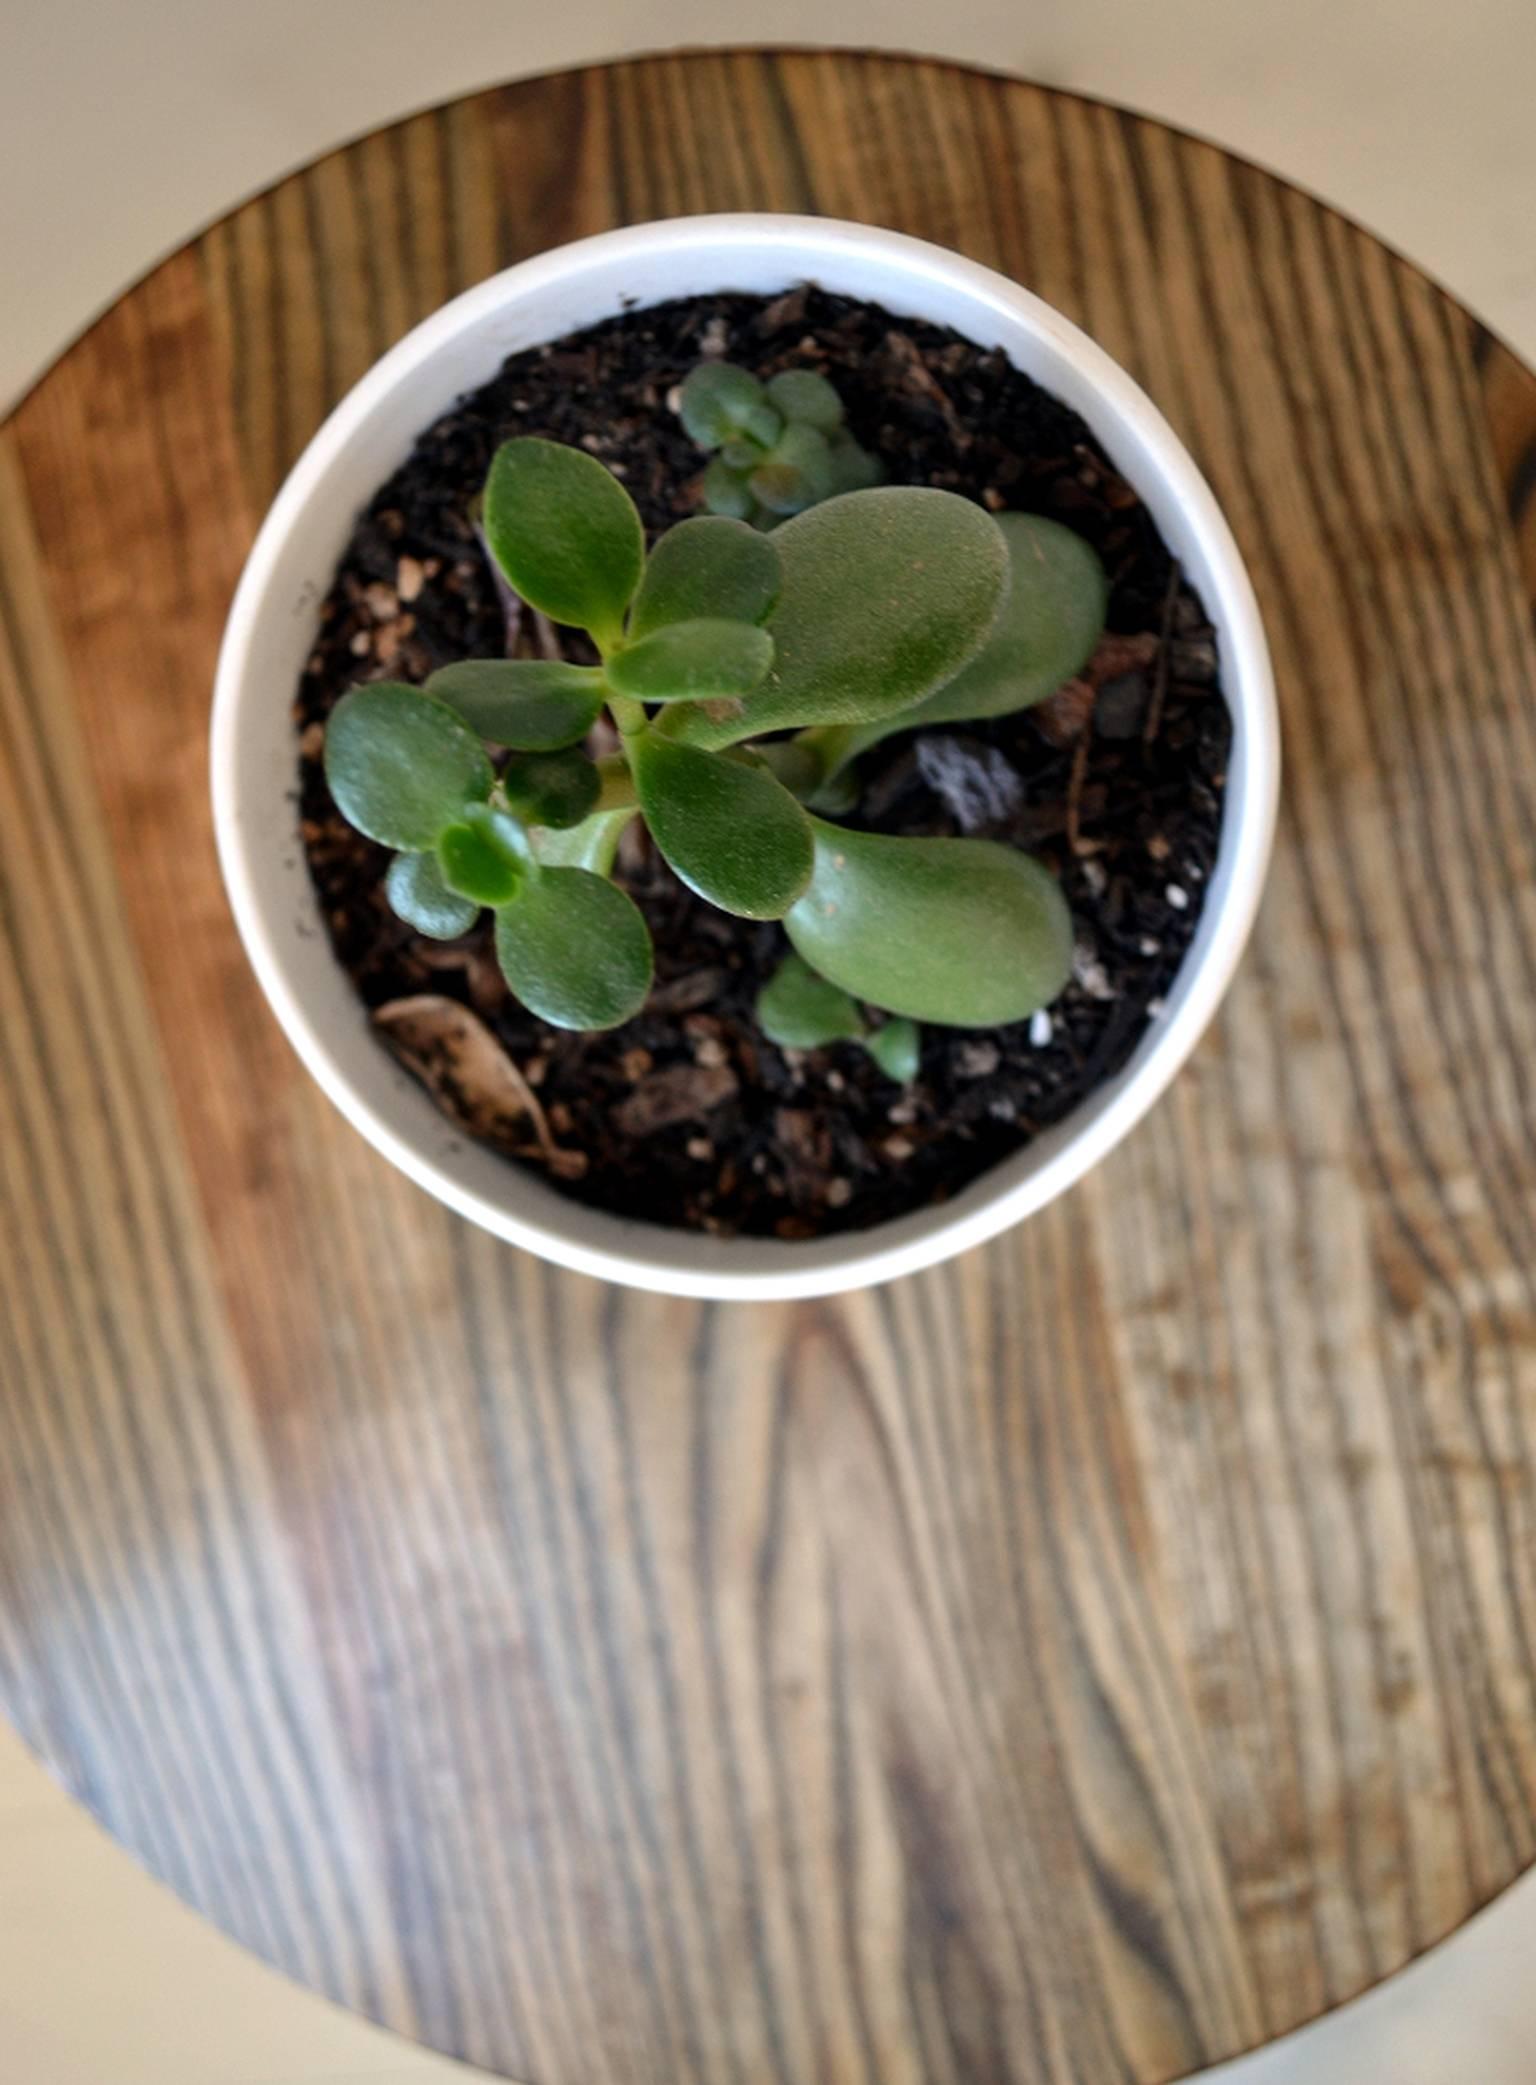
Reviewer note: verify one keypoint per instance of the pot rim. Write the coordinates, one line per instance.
(523, 1209)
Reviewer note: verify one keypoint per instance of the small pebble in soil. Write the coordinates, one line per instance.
(977, 784)
(978, 1060)
(1090, 973)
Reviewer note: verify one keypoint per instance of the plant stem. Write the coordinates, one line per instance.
(831, 746)
(627, 714)
(618, 785)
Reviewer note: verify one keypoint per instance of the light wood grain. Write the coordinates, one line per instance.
(1080, 1663)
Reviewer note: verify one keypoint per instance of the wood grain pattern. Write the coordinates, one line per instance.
(1077, 1664)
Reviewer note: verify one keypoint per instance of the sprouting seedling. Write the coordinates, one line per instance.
(852, 618)
(799, 1010)
(778, 447)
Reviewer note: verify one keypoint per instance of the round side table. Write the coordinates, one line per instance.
(1078, 1664)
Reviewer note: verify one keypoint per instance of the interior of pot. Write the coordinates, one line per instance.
(272, 628)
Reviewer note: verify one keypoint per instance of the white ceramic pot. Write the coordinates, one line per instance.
(272, 627)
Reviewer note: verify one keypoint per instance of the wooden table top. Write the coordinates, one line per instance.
(1080, 1663)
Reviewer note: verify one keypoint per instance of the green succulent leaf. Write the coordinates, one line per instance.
(696, 661)
(575, 950)
(729, 829)
(795, 764)
(717, 401)
(553, 789)
(726, 491)
(763, 426)
(964, 933)
(401, 765)
(417, 894)
(853, 469)
(1051, 621)
(897, 1048)
(796, 472)
(886, 595)
(709, 567)
(593, 844)
(484, 856)
(800, 1011)
(531, 705)
(565, 533)
(805, 398)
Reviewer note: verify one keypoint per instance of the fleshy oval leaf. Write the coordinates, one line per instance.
(726, 492)
(800, 1011)
(763, 425)
(717, 400)
(806, 399)
(728, 827)
(484, 856)
(401, 765)
(565, 533)
(575, 950)
(796, 472)
(698, 661)
(886, 594)
(553, 789)
(531, 705)
(1050, 622)
(853, 468)
(963, 933)
(897, 1048)
(417, 894)
(709, 567)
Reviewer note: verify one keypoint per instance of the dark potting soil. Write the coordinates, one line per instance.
(686, 1115)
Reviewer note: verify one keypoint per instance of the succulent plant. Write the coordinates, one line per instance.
(799, 1010)
(778, 447)
(870, 612)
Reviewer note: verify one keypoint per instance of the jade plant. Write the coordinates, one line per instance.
(777, 448)
(743, 672)
(801, 1011)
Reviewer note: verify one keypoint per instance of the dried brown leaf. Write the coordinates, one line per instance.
(471, 1077)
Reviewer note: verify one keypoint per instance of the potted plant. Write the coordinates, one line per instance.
(788, 755)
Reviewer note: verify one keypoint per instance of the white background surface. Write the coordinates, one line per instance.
(125, 125)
